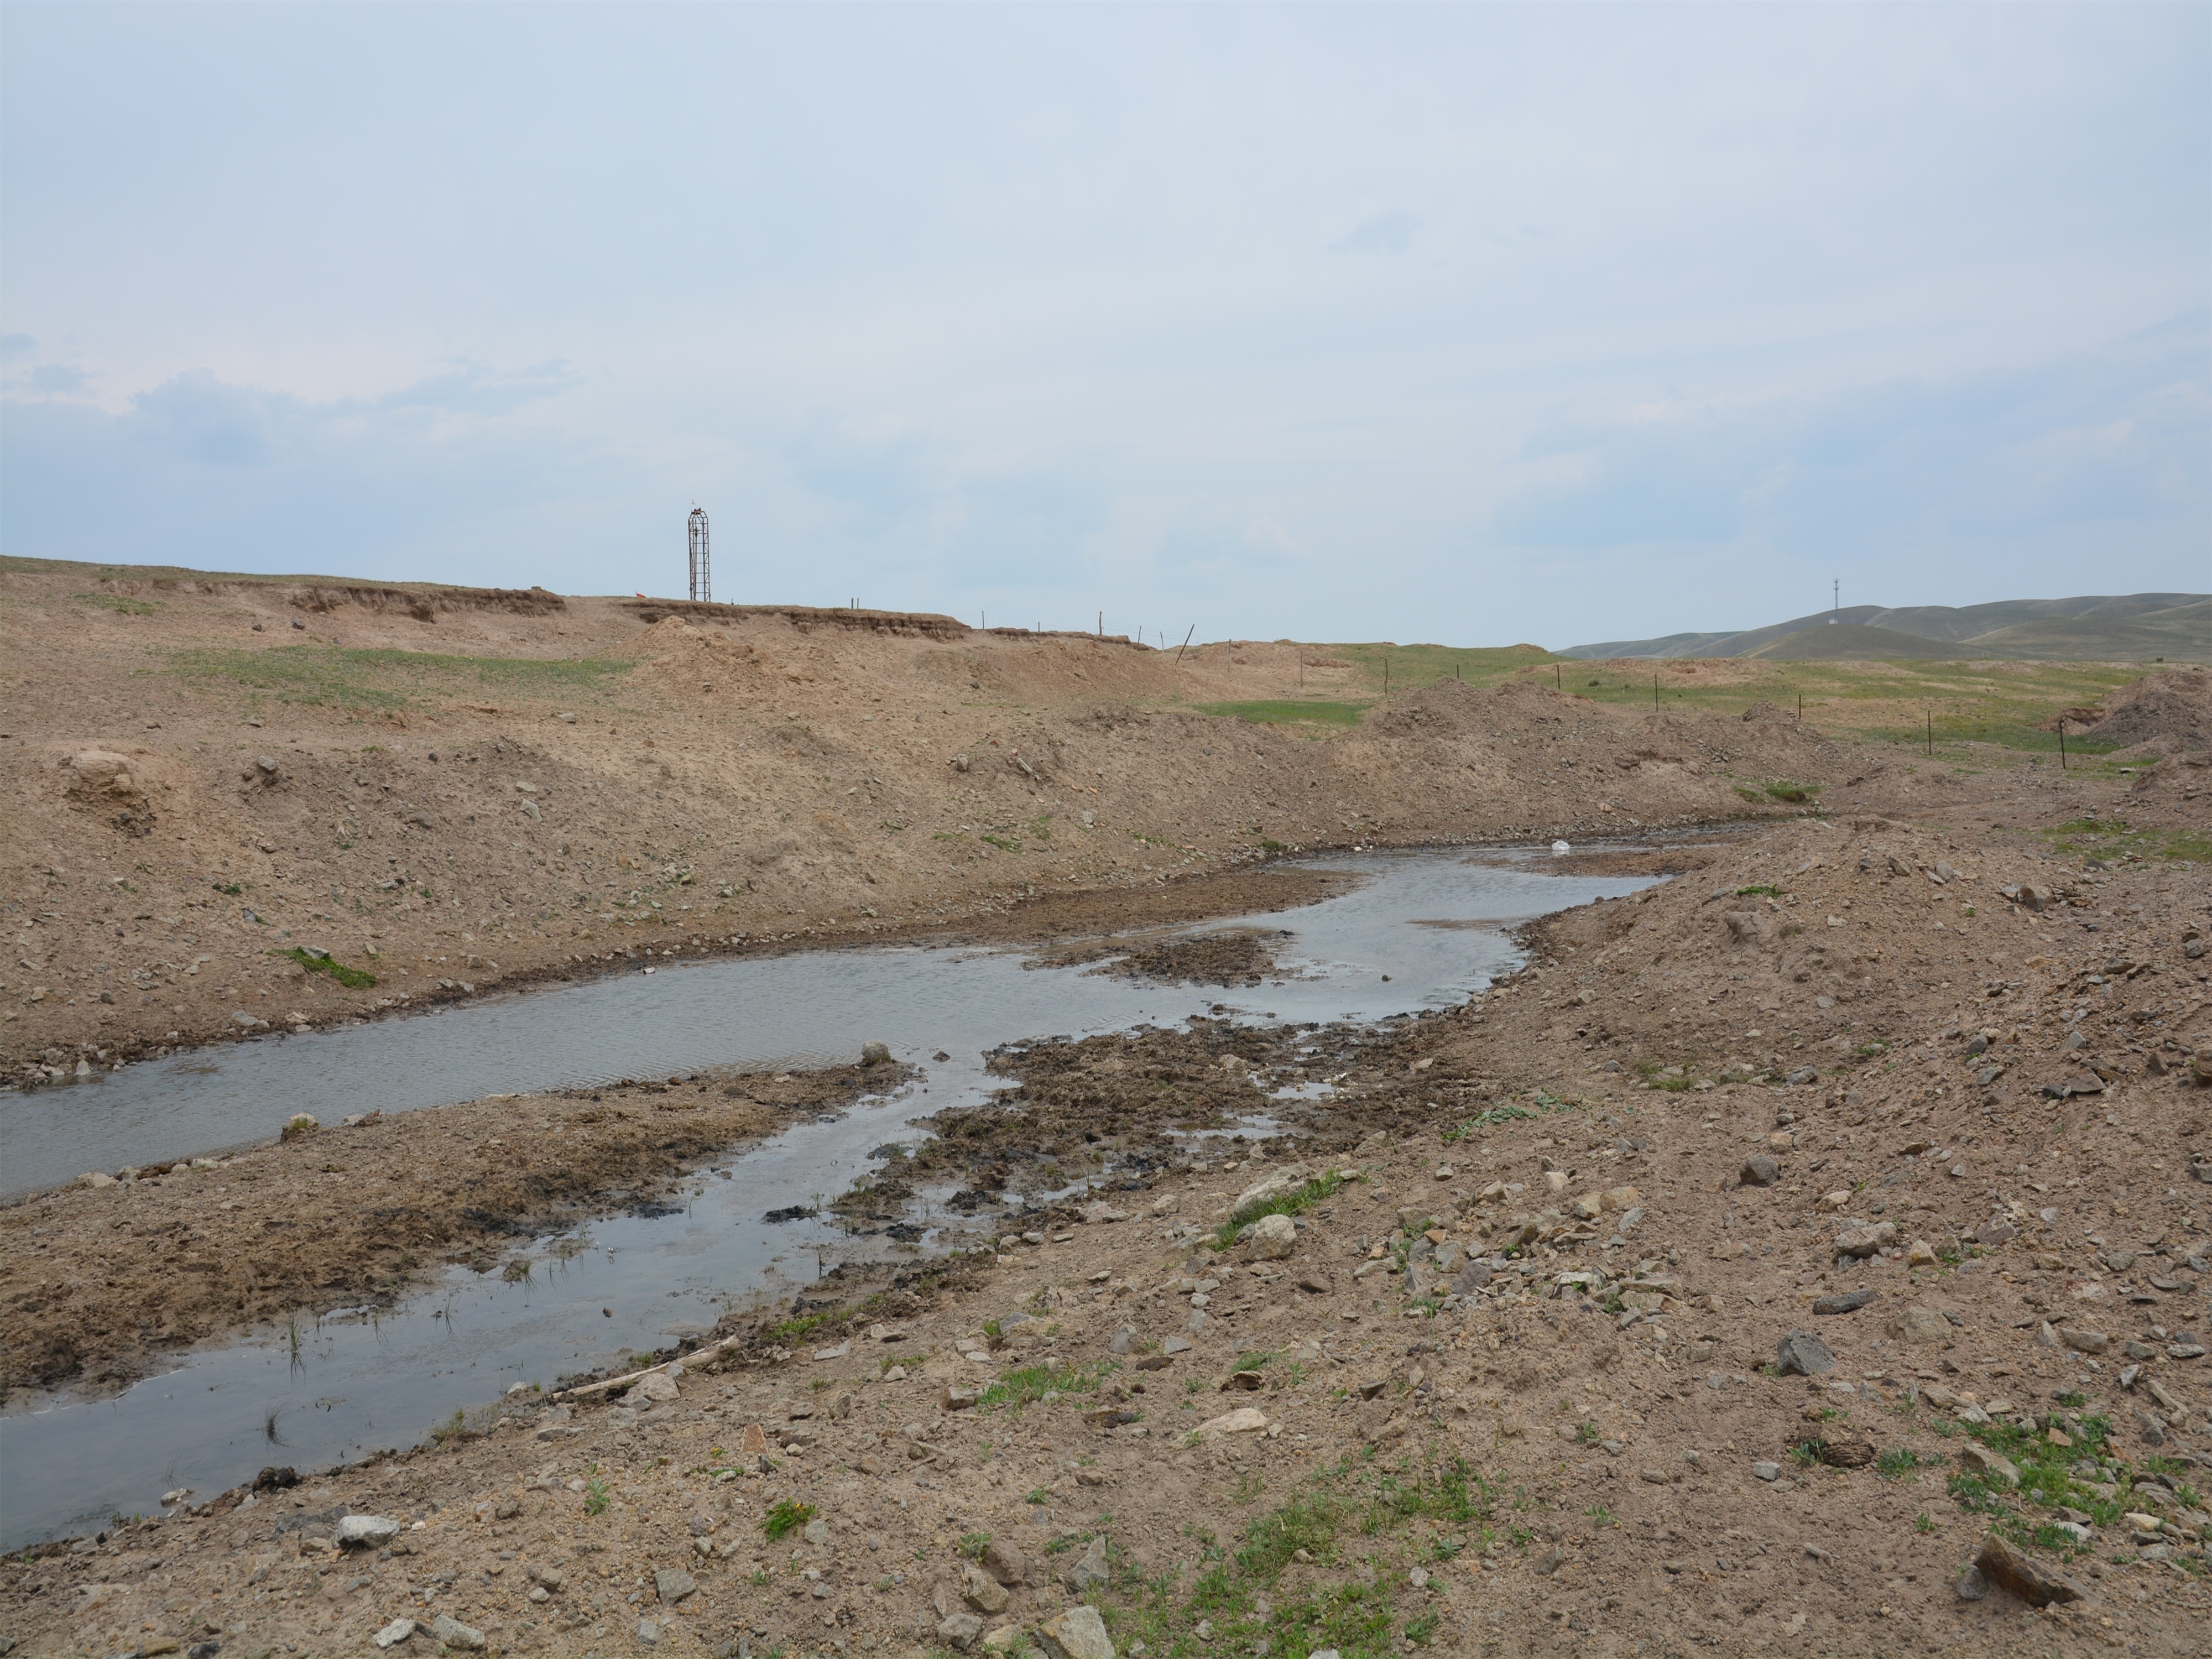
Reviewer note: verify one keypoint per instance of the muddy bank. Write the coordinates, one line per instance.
(97, 1283)
(1632, 860)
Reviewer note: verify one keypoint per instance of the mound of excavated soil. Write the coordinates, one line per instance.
(2174, 705)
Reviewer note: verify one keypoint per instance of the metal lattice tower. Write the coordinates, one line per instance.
(702, 583)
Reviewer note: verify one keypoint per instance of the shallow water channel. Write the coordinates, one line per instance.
(328, 1389)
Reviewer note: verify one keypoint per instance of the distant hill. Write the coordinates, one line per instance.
(2132, 627)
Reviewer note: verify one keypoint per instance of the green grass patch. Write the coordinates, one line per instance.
(1507, 1112)
(1900, 1461)
(1351, 1514)
(117, 603)
(785, 1518)
(1300, 1198)
(2111, 841)
(1288, 711)
(352, 978)
(1783, 789)
(1026, 1385)
(378, 681)
(2046, 1480)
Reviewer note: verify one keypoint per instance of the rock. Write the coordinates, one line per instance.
(1864, 1242)
(1260, 1193)
(1619, 1199)
(672, 1584)
(1174, 1344)
(1004, 1563)
(1550, 1562)
(394, 1633)
(455, 1634)
(960, 1630)
(1104, 1211)
(299, 1123)
(1079, 1633)
(1972, 1586)
(100, 772)
(1920, 1253)
(982, 1592)
(1919, 1325)
(1846, 1301)
(1090, 1568)
(960, 1399)
(817, 1533)
(1004, 1639)
(2032, 1582)
(1802, 1353)
(1245, 1420)
(2085, 1341)
(1272, 1237)
(875, 1054)
(1766, 1471)
(1803, 1075)
(1990, 1465)
(1760, 1170)
(364, 1531)
(657, 1387)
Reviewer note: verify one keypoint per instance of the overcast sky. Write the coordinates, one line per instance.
(1470, 324)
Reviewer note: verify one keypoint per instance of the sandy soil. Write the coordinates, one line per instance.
(1516, 1373)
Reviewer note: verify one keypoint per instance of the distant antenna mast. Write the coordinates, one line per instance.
(702, 585)
(1835, 601)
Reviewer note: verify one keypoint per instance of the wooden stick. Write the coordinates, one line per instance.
(1185, 645)
(693, 1358)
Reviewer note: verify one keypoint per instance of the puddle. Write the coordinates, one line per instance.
(1422, 930)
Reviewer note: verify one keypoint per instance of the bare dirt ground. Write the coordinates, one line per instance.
(1517, 1373)
(448, 790)
(1925, 1079)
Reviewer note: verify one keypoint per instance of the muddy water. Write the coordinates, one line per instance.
(330, 1390)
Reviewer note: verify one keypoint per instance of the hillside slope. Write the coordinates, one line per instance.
(2131, 628)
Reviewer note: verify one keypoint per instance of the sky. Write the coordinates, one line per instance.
(1470, 324)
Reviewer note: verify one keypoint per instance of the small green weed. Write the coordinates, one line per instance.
(353, 979)
(1900, 1461)
(786, 1517)
(597, 1494)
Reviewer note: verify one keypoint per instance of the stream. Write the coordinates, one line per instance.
(1420, 930)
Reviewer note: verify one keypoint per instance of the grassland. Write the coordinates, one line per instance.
(1285, 711)
(1973, 710)
(375, 681)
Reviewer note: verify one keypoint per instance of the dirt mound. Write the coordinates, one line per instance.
(1239, 957)
(2174, 704)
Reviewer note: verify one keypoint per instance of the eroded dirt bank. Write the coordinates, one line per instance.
(1919, 1093)
(213, 782)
